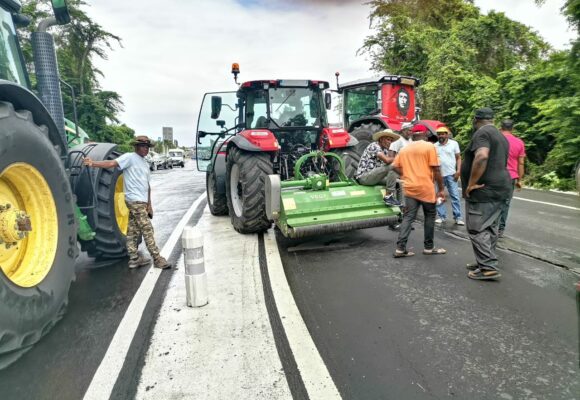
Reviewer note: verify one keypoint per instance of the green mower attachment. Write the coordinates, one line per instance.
(312, 205)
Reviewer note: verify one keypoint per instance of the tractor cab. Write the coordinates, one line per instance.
(387, 101)
(285, 117)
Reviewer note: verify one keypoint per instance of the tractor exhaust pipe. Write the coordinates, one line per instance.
(47, 75)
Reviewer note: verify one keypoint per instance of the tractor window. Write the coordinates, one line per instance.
(360, 102)
(11, 68)
(257, 110)
(296, 107)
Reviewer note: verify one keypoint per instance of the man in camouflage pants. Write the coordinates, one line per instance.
(138, 199)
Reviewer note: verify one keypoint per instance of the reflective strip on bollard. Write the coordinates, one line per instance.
(195, 277)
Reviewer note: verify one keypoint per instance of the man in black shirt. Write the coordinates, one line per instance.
(486, 185)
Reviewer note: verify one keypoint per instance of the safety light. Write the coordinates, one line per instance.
(235, 71)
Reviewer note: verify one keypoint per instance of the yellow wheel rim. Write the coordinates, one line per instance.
(121, 210)
(26, 253)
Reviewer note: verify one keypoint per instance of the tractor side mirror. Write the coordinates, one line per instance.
(216, 106)
(61, 11)
(327, 100)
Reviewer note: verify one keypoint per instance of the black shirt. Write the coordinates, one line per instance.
(496, 177)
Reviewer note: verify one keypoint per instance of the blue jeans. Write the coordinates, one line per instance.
(453, 190)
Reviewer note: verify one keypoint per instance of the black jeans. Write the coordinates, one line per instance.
(412, 206)
(482, 226)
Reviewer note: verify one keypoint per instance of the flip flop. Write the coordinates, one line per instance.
(401, 254)
(431, 252)
(483, 275)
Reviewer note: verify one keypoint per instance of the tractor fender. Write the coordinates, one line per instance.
(367, 120)
(23, 99)
(242, 143)
(352, 141)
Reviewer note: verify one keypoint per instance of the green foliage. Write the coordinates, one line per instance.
(78, 43)
(468, 60)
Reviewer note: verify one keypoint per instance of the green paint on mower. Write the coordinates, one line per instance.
(312, 205)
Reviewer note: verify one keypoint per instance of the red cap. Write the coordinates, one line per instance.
(419, 129)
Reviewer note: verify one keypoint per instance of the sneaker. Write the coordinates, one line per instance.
(139, 262)
(459, 222)
(439, 220)
(391, 201)
(162, 263)
(484, 274)
(500, 234)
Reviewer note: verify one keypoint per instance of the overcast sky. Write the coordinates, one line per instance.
(174, 51)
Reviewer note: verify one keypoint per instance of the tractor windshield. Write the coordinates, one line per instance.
(11, 67)
(286, 107)
(361, 101)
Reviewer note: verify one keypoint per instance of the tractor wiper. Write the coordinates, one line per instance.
(275, 123)
(292, 92)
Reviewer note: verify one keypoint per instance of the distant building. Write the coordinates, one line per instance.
(168, 134)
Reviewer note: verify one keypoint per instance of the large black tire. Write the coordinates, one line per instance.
(28, 313)
(217, 202)
(364, 135)
(110, 241)
(351, 158)
(246, 173)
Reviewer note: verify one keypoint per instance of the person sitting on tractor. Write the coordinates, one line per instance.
(375, 165)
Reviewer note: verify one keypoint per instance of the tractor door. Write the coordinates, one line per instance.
(217, 120)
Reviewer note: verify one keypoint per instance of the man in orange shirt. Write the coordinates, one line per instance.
(418, 164)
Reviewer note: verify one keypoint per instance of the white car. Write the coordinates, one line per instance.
(157, 161)
(177, 157)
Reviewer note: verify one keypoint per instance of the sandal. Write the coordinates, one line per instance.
(434, 251)
(483, 274)
(401, 254)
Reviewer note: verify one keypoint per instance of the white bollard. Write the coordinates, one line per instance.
(195, 277)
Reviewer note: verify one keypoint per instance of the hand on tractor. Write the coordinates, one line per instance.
(88, 162)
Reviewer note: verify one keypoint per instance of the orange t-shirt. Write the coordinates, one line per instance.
(415, 161)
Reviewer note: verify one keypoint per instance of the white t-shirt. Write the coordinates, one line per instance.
(136, 176)
(398, 144)
(446, 153)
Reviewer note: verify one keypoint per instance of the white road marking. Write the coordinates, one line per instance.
(548, 204)
(106, 375)
(315, 375)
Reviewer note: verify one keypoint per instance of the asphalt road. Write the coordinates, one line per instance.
(63, 363)
(387, 329)
(418, 328)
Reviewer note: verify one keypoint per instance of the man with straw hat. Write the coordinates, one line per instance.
(136, 177)
(375, 165)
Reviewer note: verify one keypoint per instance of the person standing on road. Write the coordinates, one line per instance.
(515, 167)
(136, 180)
(450, 159)
(417, 163)
(486, 186)
(375, 166)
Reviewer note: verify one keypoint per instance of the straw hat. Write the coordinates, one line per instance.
(385, 133)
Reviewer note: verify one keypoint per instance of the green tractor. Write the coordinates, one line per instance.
(270, 155)
(50, 205)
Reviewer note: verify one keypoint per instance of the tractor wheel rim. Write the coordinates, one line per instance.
(24, 191)
(235, 191)
(121, 210)
(210, 188)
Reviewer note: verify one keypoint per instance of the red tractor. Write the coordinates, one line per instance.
(266, 127)
(374, 104)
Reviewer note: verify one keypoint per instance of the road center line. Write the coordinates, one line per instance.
(315, 375)
(546, 203)
(103, 381)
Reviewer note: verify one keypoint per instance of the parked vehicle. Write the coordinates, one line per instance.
(158, 161)
(51, 203)
(177, 157)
